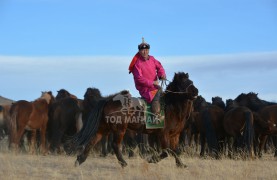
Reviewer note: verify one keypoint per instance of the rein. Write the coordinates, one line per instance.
(168, 91)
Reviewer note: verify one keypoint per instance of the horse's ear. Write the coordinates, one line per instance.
(187, 74)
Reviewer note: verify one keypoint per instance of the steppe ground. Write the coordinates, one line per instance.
(23, 166)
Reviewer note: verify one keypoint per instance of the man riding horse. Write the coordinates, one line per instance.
(147, 71)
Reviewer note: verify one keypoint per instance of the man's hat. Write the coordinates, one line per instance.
(143, 45)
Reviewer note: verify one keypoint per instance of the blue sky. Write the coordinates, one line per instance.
(227, 47)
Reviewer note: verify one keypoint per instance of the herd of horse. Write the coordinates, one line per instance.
(65, 123)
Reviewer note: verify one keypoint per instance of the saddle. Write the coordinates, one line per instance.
(152, 121)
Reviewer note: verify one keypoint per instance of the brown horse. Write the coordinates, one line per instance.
(31, 116)
(116, 113)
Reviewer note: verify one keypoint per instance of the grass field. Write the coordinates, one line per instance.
(23, 166)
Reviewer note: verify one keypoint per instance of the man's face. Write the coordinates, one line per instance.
(144, 53)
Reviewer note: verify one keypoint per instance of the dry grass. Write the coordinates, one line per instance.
(22, 166)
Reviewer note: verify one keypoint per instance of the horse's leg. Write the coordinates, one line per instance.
(32, 141)
(117, 139)
(165, 143)
(196, 141)
(83, 156)
(18, 136)
(262, 144)
(42, 139)
(202, 145)
(104, 146)
(190, 136)
(274, 140)
(174, 142)
(182, 140)
(255, 144)
(230, 147)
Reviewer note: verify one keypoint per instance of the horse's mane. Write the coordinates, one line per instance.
(62, 93)
(175, 90)
(42, 97)
(123, 92)
(173, 85)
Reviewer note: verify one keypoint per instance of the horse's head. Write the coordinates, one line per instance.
(62, 93)
(199, 103)
(249, 100)
(266, 127)
(182, 84)
(230, 103)
(48, 96)
(92, 94)
(218, 102)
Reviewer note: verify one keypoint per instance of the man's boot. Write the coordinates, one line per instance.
(156, 110)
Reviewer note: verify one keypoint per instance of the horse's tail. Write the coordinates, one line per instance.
(79, 121)
(89, 129)
(210, 132)
(248, 134)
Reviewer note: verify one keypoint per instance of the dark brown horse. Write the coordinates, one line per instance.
(267, 111)
(116, 113)
(65, 119)
(62, 93)
(209, 123)
(218, 102)
(191, 130)
(91, 97)
(31, 116)
(239, 127)
(207, 120)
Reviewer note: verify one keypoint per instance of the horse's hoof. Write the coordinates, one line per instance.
(77, 163)
(123, 164)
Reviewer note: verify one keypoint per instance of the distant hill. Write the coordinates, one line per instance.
(4, 100)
